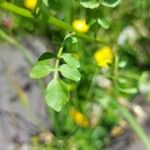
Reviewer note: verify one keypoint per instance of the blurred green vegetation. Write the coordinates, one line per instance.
(94, 96)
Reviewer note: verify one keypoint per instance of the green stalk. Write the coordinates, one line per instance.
(57, 62)
(52, 20)
(68, 10)
(13, 42)
(134, 125)
(125, 112)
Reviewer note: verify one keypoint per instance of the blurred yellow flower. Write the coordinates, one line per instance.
(117, 131)
(30, 4)
(103, 57)
(78, 117)
(71, 86)
(80, 25)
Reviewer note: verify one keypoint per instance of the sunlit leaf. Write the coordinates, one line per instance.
(57, 94)
(90, 4)
(128, 90)
(70, 72)
(104, 23)
(45, 2)
(110, 3)
(40, 70)
(71, 60)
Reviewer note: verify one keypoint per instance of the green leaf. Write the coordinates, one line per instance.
(43, 10)
(110, 3)
(90, 4)
(46, 56)
(122, 64)
(71, 60)
(40, 70)
(92, 22)
(70, 38)
(57, 94)
(45, 2)
(104, 23)
(42, 67)
(128, 90)
(70, 72)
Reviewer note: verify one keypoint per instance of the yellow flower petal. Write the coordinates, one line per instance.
(79, 118)
(80, 25)
(103, 57)
(117, 131)
(30, 4)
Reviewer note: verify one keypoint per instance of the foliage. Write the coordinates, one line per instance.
(101, 64)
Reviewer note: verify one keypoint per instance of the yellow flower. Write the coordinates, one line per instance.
(30, 4)
(103, 57)
(117, 131)
(79, 118)
(80, 25)
(71, 86)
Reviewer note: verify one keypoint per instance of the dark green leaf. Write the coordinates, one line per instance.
(71, 60)
(90, 4)
(57, 94)
(70, 38)
(110, 3)
(92, 22)
(46, 56)
(70, 72)
(103, 22)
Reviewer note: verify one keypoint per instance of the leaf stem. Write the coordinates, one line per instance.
(57, 62)
(52, 20)
(125, 112)
(13, 42)
(134, 125)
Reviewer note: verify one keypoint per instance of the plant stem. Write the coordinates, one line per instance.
(125, 112)
(115, 71)
(91, 84)
(134, 124)
(52, 20)
(57, 62)
(13, 42)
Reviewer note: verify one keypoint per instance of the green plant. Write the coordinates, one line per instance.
(118, 64)
(57, 93)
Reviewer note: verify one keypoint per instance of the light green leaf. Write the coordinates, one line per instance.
(128, 90)
(70, 72)
(122, 64)
(104, 23)
(40, 70)
(110, 3)
(90, 4)
(57, 94)
(71, 60)
(46, 3)
(42, 67)
(122, 80)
